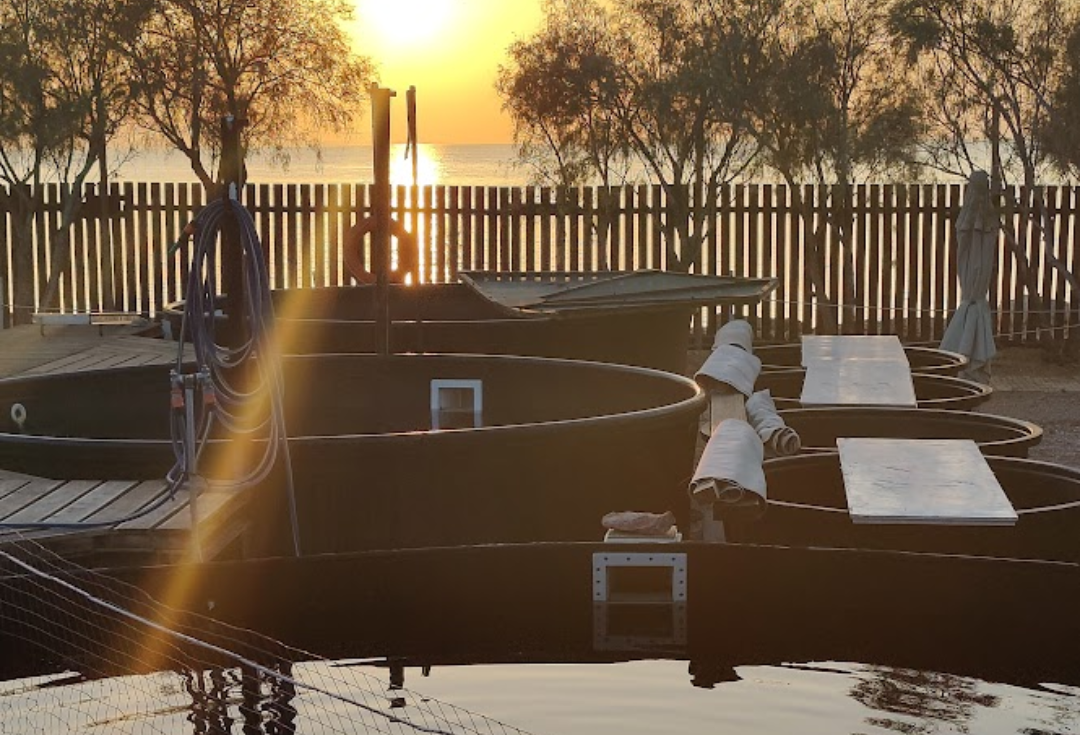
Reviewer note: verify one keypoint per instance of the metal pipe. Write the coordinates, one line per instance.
(191, 461)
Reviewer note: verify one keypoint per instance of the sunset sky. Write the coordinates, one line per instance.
(450, 50)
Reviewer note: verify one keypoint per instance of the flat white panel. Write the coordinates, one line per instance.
(846, 347)
(858, 383)
(937, 481)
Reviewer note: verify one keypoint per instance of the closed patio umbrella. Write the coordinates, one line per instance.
(970, 329)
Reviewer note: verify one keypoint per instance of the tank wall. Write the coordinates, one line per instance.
(816, 480)
(819, 428)
(342, 394)
(523, 484)
(931, 391)
(430, 302)
(101, 404)
(335, 395)
(656, 339)
(921, 359)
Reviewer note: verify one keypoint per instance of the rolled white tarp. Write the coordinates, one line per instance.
(780, 440)
(732, 366)
(729, 472)
(737, 332)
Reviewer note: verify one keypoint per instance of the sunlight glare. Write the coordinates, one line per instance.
(404, 24)
(429, 168)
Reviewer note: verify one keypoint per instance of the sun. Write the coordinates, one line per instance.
(401, 25)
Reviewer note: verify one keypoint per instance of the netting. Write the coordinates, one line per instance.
(83, 651)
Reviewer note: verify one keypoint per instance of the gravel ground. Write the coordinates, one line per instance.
(1058, 413)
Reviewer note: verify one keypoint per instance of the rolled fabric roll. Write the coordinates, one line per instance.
(737, 332)
(780, 440)
(729, 472)
(732, 366)
(784, 443)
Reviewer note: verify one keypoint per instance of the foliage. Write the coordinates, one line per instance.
(1000, 62)
(63, 96)
(991, 64)
(831, 105)
(560, 88)
(64, 87)
(1059, 135)
(283, 68)
(634, 85)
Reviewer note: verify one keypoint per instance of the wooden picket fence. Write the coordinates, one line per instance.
(904, 275)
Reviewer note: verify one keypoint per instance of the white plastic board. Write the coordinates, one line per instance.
(934, 481)
(816, 348)
(858, 383)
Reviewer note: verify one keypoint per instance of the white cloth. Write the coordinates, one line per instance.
(737, 332)
(629, 521)
(731, 366)
(730, 466)
(780, 440)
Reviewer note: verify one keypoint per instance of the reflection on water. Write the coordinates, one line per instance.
(630, 697)
(930, 697)
(241, 700)
(430, 169)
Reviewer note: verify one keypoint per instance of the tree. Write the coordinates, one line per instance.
(998, 63)
(63, 95)
(1058, 135)
(283, 68)
(827, 104)
(559, 87)
(635, 84)
(1060, 138)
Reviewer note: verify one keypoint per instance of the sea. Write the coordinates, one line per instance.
(491, 164)
(457, 165)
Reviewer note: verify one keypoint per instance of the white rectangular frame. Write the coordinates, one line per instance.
(440, 384)
(602, 562)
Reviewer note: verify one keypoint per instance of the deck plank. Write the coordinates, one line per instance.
(135, 499)
(102, 354)
(209, 504)
(166, 510)
(62, 495)
(9, 485)
(101, 505)
(102, 494)
(26, 495)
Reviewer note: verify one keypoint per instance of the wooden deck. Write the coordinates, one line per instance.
(29, 350)
(101, 517)
(98, 518)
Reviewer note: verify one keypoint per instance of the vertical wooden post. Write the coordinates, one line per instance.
(413, 142)
(380, 251)
(231, 179)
